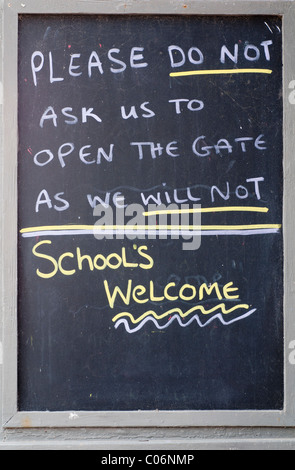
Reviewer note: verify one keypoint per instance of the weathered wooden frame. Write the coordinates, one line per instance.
(12, 418)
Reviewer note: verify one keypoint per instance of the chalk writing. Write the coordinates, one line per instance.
(150, 209)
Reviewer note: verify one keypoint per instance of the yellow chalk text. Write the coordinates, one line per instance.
(171, 292)
(69, 263)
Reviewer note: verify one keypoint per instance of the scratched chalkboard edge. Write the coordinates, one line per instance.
(157, 418)
(190, 7)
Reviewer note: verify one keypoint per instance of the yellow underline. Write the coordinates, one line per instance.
(219, 72)
(148, 227)
(209, 209)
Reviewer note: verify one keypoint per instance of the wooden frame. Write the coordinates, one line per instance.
(74, 418)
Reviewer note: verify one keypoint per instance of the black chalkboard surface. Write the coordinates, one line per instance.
(120, 307)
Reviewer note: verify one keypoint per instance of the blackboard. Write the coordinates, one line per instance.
(121, 113)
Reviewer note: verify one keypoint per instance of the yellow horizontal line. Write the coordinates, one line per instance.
(208, 209)
(148, 227)
(219, 72)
